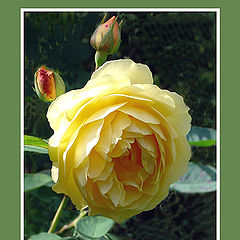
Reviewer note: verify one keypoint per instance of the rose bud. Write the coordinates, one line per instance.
(107, 36)
(48, 84)
(106, 39)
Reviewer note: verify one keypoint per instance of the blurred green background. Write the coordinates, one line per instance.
(180, 50)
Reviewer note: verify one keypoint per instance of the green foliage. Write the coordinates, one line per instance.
(201, 137)
(33, 181)
(35, 144)
(45, 236)
(199, 178)
(93, 227)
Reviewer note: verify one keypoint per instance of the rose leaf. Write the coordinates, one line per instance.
(33, 181)
(35, 144)
(202, 137)
(198, 179)
(45, 236)
(93, 227)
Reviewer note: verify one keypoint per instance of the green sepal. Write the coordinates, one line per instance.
(116, 48)
(59, 84)
(100, 58)
(103, 19)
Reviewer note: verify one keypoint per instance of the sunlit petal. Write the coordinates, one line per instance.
(140, 113)
(86, 140)
(137, 73)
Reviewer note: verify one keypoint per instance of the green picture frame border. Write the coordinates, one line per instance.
(11, 104)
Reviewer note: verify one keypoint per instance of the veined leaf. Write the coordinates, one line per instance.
(202, 137)
(93, 227)
(35, 144)
(198, 179)
(33, 181)
(45, 236)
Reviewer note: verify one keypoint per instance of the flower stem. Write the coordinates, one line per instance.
(58, 214)
(73, 223)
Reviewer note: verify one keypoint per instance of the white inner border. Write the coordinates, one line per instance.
(217, 10)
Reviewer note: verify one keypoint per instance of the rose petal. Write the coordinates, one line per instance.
(70, 188)
(116, 193)
(137, 73)
(102, 113)
(106, 83)
(106, 172)
(127, 134)
(82, 171)
(151, 189)
(86, 140)
(56, 113)
(143, 175)
(140, 203)
(104, 144)
(180, 119)
(122, 97)
(139, 127)
(140, 113)
(180, 165)
(157, 129)
(105, 186)
(96, 164)
(161, 147)
(164, 101)
(121, 148)
(98, 199)
(132, 194)
(119, 123)
(165, 124)
(54, 171)
(82, 113)
(147, 161)
(149, 143)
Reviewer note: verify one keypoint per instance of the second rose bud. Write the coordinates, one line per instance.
(106, 39)
(48, 84)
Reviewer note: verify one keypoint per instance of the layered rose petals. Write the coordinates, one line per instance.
(119, 142)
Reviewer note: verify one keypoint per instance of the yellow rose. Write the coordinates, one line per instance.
(119, 142)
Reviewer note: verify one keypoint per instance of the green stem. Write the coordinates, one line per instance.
(73, 223)
(58, 214)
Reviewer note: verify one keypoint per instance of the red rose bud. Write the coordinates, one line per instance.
(107, 36)
(48, 84)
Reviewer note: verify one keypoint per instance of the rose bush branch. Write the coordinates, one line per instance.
(73, 223)
(58, 214)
